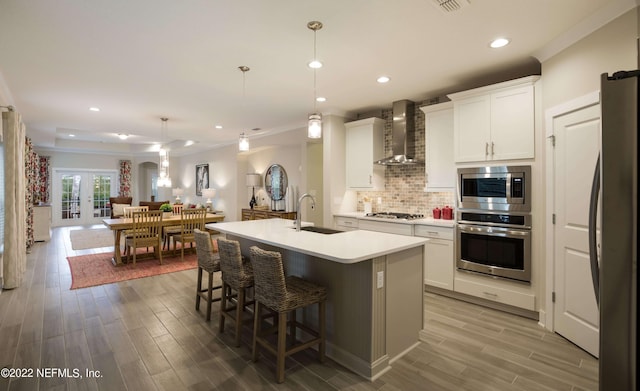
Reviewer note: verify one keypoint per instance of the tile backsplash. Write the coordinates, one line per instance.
(404, 185)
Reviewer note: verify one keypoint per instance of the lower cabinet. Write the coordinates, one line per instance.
(345, 223)
(498, 290)
(439, 262)
(261, 214)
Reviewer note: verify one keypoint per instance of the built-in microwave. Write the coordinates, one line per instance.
(499, 188)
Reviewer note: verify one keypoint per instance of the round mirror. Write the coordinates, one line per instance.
(275, 182)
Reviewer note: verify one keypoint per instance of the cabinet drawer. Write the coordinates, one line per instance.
(390, 228)
(346, 222)
(495, 293)
(433, 231)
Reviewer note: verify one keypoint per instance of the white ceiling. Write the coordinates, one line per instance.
(145, 59)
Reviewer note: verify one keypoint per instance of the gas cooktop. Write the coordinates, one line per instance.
(393, 215)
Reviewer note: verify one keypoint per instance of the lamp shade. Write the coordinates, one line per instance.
(209, 193)
(254, 180)
(177, 192)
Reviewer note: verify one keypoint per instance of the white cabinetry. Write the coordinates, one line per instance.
(387, 227)
(439, 263)
(500, 291)
(345, 223)
(440, 171)
(365, 144)
(495, 122)
(41, 223)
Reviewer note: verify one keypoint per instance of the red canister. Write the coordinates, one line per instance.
(447, 213)
(436, 213)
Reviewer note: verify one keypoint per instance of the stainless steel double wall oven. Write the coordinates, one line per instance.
(494, 221)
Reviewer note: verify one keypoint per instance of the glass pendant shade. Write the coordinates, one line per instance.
(164, 180)
(315, 126)
(243, 143)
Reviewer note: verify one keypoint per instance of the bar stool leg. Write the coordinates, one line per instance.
(256, 331)
(239, 310)
(223, 306)
(282, 339)
(198, 288)
(209, 296)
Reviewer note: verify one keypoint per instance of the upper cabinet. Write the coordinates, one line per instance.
(364, 145)
(495, 122)
(440, 170)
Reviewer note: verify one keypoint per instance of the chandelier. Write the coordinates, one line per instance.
(164, 180)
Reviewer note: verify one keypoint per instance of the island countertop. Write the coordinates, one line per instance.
(344, 247)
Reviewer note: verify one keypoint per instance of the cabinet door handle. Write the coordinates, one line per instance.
(492, 148)
(490, 294)
(434, 233)
(370, 179)
(486, 149)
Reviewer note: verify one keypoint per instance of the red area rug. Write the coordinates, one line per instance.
(97, 269)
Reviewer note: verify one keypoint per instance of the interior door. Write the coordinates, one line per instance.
(577, 144)
(82, 197)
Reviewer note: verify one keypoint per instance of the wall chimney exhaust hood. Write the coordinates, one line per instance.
(402, 136)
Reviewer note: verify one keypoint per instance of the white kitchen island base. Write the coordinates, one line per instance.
(374, 304)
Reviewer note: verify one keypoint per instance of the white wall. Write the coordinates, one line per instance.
(572, 73)
(228, 169)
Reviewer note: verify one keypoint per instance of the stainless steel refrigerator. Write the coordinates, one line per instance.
(615, 274)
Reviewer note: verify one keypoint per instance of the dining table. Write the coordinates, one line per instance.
(121, 224)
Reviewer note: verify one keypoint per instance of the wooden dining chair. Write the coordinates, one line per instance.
(190, 219)
(173, 230)
(129, 210)
(146, 232)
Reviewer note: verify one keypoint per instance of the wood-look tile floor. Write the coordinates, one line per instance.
(145, 335)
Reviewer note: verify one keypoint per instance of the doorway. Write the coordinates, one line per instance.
(82, 197)
(576, 135)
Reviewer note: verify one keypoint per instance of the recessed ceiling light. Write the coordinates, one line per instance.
(315, 64)
(94, 109)
(499, 42)
(123, 136)
(72, 135)
(383, 79)
(218, 126)
(321, 99)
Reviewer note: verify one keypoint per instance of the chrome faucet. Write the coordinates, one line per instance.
(299, 212)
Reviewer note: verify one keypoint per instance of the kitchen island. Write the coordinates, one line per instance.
(374, 284)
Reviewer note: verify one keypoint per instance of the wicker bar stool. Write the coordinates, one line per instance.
(284, 295)
(237, 275)
(208, 261)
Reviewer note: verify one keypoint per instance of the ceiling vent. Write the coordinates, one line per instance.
(450, 5)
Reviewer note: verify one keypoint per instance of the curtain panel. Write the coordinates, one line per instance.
(125, 179)
(43, 193)
(31, 171)
(14, 259)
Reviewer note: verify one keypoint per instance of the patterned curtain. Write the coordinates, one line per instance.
(125, 178)
(31, 171)
(44, 180)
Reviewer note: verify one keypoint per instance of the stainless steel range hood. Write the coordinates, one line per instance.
(402, 136)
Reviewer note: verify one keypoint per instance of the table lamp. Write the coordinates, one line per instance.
(253, 180)
(177, 192)
(209, 194)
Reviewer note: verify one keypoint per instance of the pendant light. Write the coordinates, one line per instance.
(243, 142)
(314, 129)
(164, 180)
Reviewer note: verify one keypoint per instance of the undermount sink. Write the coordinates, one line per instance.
(320, 230)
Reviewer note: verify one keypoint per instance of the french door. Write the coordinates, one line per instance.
(82, 197)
